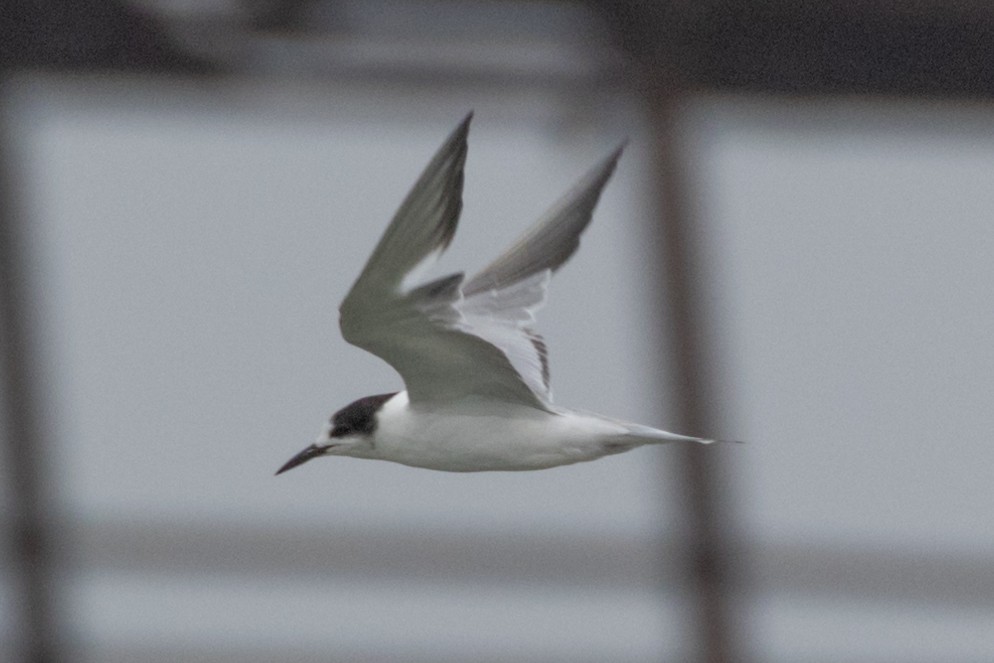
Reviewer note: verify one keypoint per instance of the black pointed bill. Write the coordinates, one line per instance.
(307, 454)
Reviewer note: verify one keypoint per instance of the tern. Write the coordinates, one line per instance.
(477, 392)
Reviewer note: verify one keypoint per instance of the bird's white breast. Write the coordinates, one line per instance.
(476, 435)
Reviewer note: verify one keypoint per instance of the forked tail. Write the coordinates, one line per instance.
(649, 435)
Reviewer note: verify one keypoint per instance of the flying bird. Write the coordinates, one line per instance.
(476, 373)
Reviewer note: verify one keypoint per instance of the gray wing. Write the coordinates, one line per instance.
(551, 241)
(446, 344)
(501, 300)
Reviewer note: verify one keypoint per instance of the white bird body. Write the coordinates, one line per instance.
(480, 435)
(478, 396)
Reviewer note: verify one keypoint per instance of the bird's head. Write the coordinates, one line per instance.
(348, 433)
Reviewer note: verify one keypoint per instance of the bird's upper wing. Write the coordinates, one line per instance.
(449, 341)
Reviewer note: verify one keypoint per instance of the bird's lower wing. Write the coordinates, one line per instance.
(423, 336)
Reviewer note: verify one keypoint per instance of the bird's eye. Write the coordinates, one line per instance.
(340, 431)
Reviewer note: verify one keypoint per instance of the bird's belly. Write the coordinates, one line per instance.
(488, 442)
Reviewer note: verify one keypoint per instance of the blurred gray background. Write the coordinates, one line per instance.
(796, 251)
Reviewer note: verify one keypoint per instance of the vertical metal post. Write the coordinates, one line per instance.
(29, 534)
(706, 549)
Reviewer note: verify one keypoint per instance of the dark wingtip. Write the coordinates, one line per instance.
(612, 159)
(621, 148)
(597, 177)
(462, 129)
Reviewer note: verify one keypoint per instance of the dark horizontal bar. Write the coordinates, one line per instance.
(848, 572)
(270, 654)
(927, 47)
(435, 555)
(153, 654)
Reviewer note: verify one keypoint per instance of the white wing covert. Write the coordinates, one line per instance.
(448, 340)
